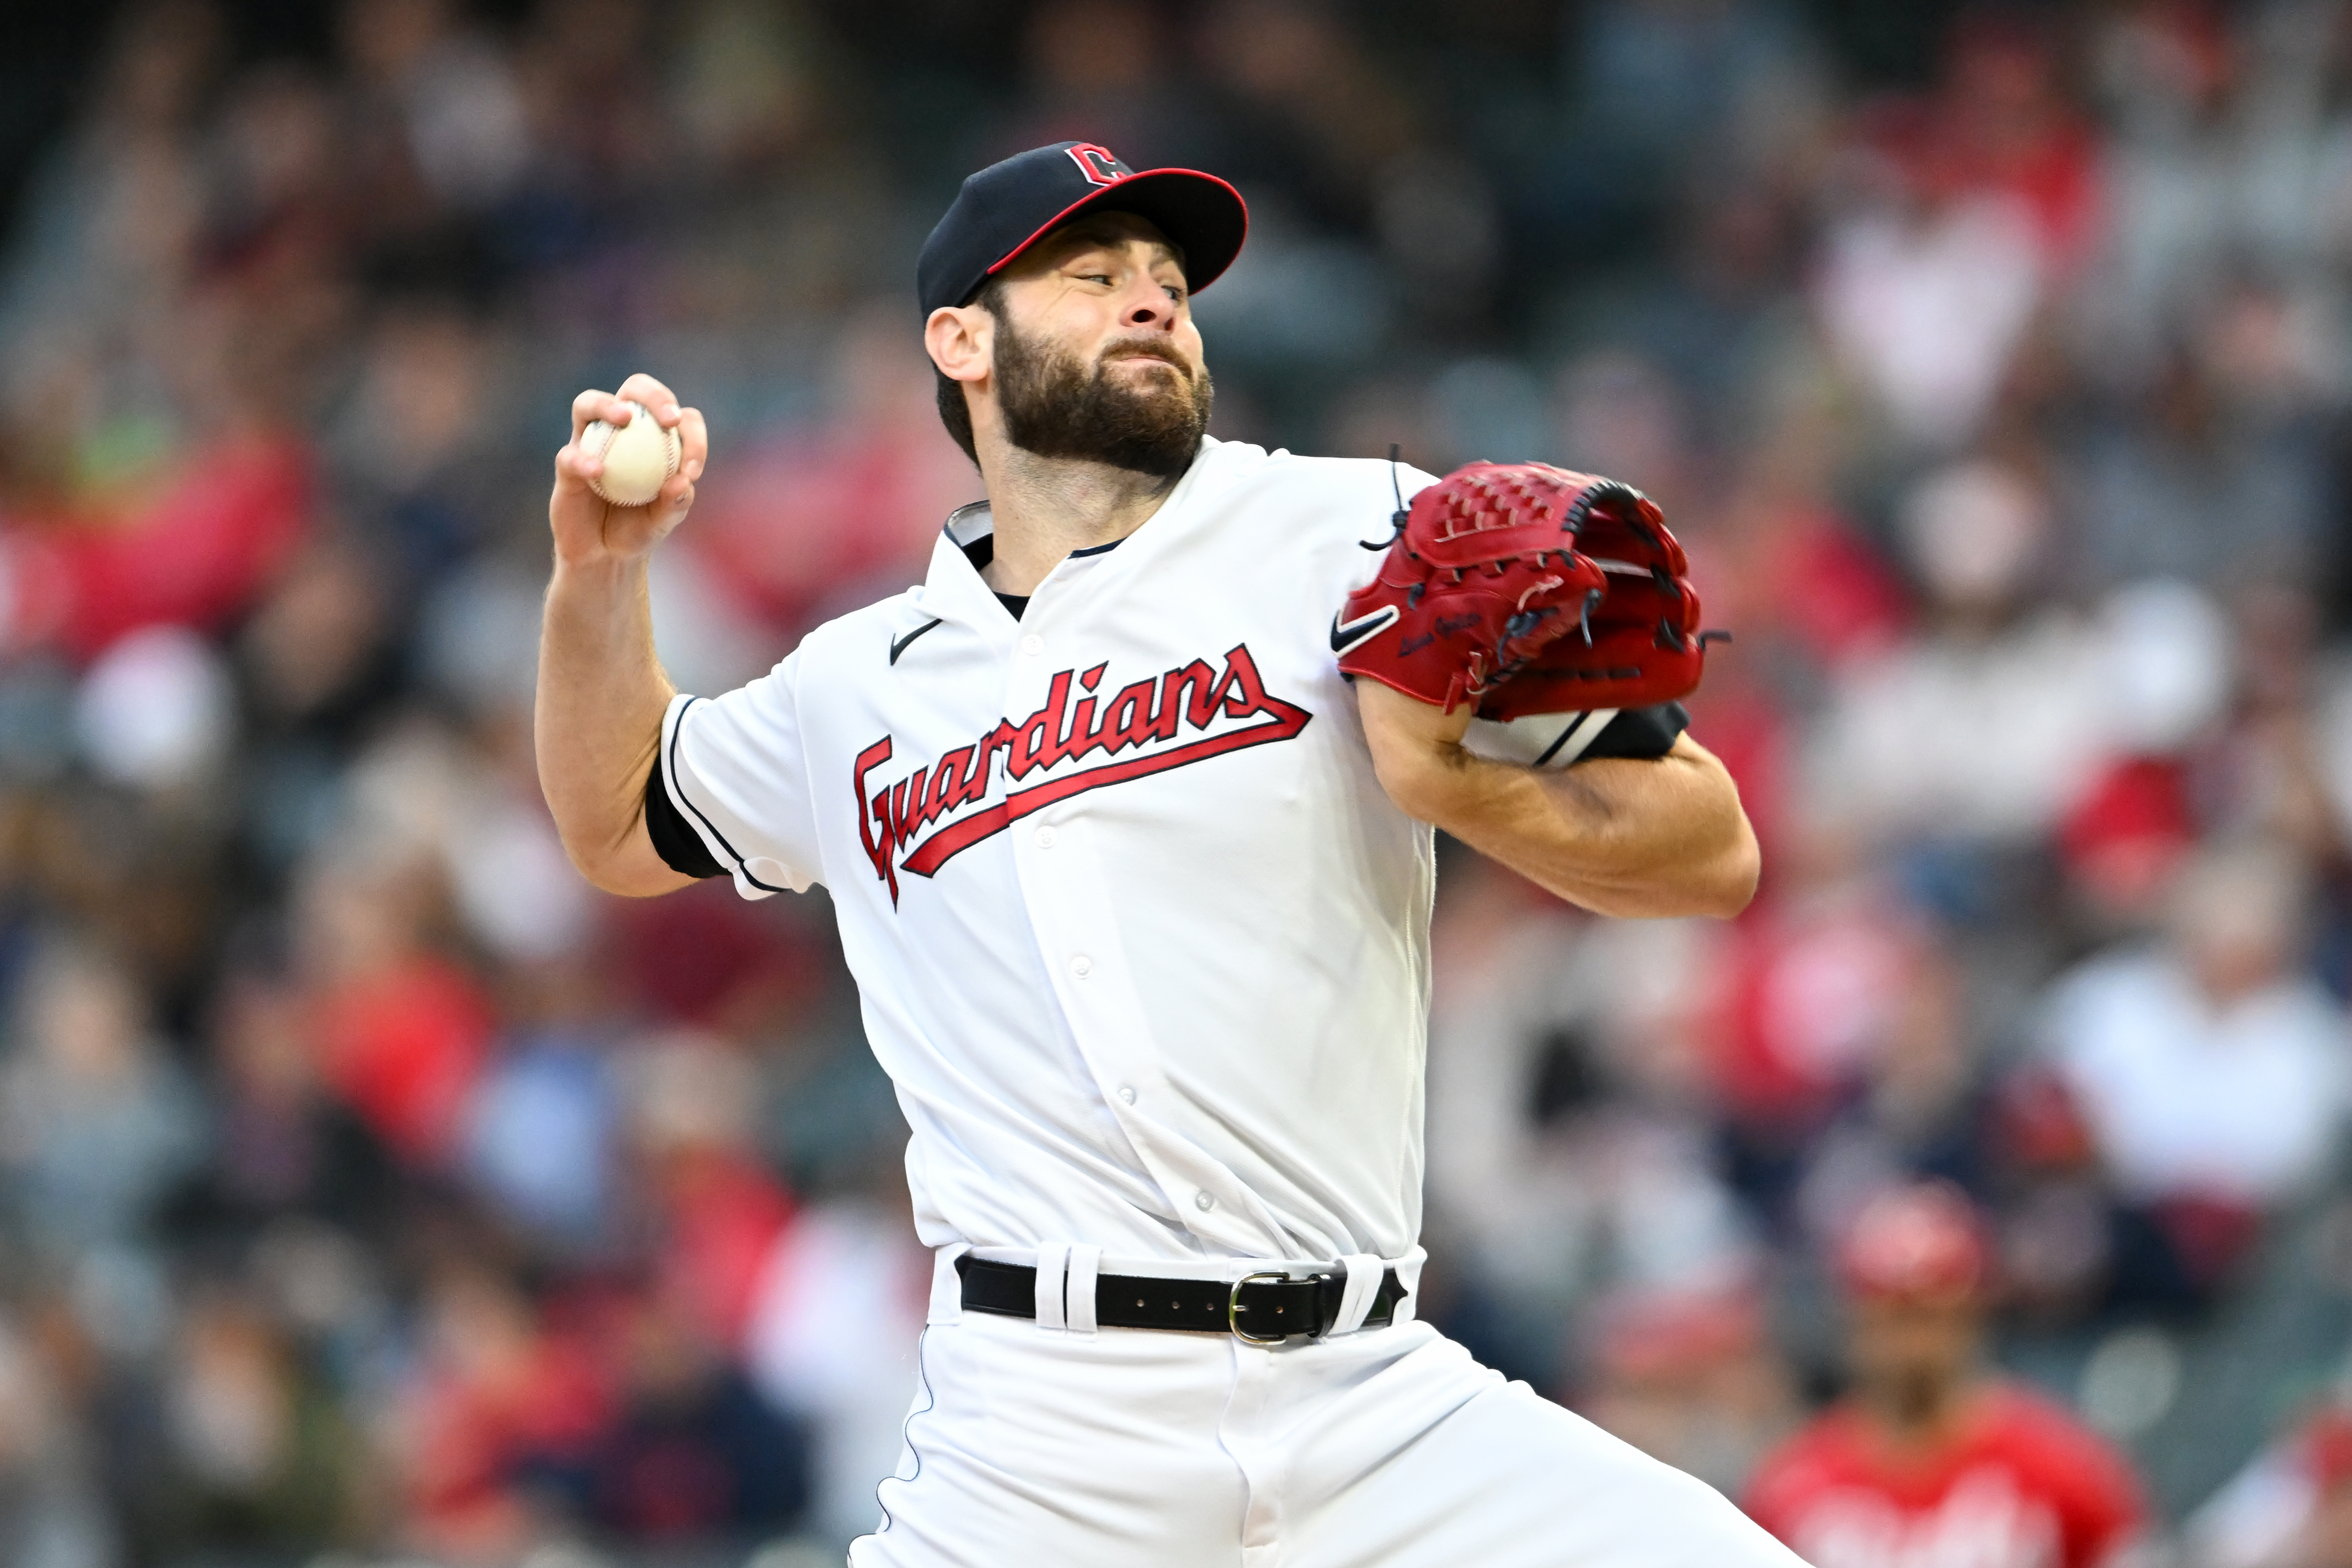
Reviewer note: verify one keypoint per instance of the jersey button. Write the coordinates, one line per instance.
(1033, 644)
(1127, 1093)
(1081, 965)
(1203, 1201)
(1045, 837)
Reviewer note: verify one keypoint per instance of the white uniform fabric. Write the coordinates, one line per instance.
(1145, 948)
(1390, 1448)
(1140, 940)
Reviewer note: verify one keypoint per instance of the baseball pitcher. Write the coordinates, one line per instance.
(1125, 811)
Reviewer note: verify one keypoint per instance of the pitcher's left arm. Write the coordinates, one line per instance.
(1617, 835)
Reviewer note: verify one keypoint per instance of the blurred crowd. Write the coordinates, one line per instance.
(371, 1189)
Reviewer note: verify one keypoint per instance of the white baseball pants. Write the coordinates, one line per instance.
(1389, 1448)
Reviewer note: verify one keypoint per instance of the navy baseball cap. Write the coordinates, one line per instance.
(1007, 207)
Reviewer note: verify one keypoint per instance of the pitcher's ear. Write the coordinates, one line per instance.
(959, 339)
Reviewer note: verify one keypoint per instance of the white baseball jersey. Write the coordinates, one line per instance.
(1140, 940)
(1145, 948)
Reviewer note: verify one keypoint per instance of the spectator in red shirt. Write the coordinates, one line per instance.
(1932, 1459)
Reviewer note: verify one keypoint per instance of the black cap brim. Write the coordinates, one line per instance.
(1203, 216)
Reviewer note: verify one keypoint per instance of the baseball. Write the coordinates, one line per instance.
(637, 456)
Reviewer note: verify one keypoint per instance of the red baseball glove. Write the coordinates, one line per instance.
(1482, 575)
(1641, 644)
(1528, 589)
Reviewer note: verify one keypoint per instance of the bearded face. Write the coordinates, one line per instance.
(1058, 405)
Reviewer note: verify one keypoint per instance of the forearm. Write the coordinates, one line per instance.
(1618, 836)
(598, 721)
(1664, 837)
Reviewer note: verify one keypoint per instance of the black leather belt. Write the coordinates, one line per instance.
(1262, 1308)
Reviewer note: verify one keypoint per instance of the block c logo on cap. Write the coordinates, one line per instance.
(1100, 165)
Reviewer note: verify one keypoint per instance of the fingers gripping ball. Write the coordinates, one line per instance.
(1483, 575)
(1641, 643)
(639, 456)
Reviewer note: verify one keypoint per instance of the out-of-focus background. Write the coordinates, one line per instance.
(372, 1191)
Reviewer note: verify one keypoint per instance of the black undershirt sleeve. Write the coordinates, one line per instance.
(674, 840)
(1642, 733)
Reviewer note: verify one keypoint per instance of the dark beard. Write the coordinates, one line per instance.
(1056, 407)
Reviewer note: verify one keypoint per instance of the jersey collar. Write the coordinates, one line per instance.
(954, 585)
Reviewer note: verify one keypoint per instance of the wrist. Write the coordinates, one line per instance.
(601, 573)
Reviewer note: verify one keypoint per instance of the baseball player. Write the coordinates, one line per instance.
(1932, 1461)
(1135, 883)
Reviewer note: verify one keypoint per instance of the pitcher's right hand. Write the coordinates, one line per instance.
(591, 530)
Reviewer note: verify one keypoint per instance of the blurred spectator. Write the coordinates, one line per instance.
(541, 1139)
(442, 97)
(1963, 212)
(1925, 294)
(1691, 1378)
(1305, 105)
(696, 1456)
(1902, 756)
(155, 713)
(2212, 1076)
(1661, 88)
(194, 546)
(281, 1148)
(262, 1460)
(99, 1123)
(2231, 423)
(498, 1431)
(51, 1509)
(1564, 1154)
(1930, 1457)
(318, 668)
(401, 1030)
(876, 473)
(1837, 988)
(1093, 76)
(419, 449)
(840, 1306)
(2059, 696)
(715, 1209)
(1789, 568)
(101, 254)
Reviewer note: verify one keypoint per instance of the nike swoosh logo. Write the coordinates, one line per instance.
(898, 644)
(1354, 632)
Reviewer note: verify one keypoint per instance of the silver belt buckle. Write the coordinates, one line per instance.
(1233, 1308)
